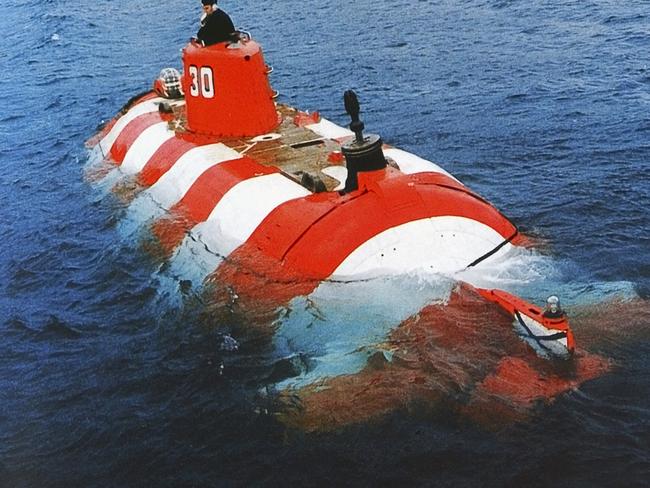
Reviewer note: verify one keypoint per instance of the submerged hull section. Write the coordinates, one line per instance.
(459, 356)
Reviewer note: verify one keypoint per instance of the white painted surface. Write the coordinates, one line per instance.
(557, 347)
(437, 245)
(339, 173)
(271, 136)
(410, 163)
(175, 183)
(330, 130)
(242, 209)
(145, 146)
(146, 107)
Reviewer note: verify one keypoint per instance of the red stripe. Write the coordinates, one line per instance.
(304, 240)
(202, 197)
(94, 140)
(215, 182)
(388, 203)
(149, 96)
(131, 132)
(163, 159)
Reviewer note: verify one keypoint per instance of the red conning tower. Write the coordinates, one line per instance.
(227, 91)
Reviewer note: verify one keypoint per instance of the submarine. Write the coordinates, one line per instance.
(269, 201)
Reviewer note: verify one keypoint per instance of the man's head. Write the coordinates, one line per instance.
(208, 6)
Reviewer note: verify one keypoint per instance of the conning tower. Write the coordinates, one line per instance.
(227, 91)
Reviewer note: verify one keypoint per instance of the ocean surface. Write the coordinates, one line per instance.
(108, 379)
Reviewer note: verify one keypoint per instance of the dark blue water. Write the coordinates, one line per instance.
(543, 107)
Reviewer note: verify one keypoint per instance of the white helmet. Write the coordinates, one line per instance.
(168, 83)
(553, 304)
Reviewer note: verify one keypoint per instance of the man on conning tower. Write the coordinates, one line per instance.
(216, 25)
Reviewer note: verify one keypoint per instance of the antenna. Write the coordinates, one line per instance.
(352, 108)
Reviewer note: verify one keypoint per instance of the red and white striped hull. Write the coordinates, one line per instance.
(208, 200)
(233, 213)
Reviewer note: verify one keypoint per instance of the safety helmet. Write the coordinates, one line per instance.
(168, 83)
(553, 304)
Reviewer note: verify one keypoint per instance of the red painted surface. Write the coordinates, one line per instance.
(518, 384)
(259, 283)
(522, 241)
(212, 185)
(303, 118)
(131, 132)
(462, 356)
(307, 238)
(231, 94)
(203, 196)
(384, 204)
(336, 157)
(163, 159)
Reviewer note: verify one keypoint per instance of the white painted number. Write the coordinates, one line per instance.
(194, 87)
(202, 81)
(207, 87)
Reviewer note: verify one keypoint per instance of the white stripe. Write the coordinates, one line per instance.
(146, 144)
(433, 245)
(330, 130)
(242, 209)
(407, 162)
(339, 173)
(175, 183)
(146, 107)
(410, 163)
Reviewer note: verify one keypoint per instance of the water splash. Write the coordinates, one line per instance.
(340, 325)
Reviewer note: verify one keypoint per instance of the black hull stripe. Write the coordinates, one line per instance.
(539, 339)
(493, 251)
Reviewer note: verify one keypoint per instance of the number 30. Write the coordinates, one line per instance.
(202, 81)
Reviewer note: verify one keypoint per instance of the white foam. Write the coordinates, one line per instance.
(340, 325)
